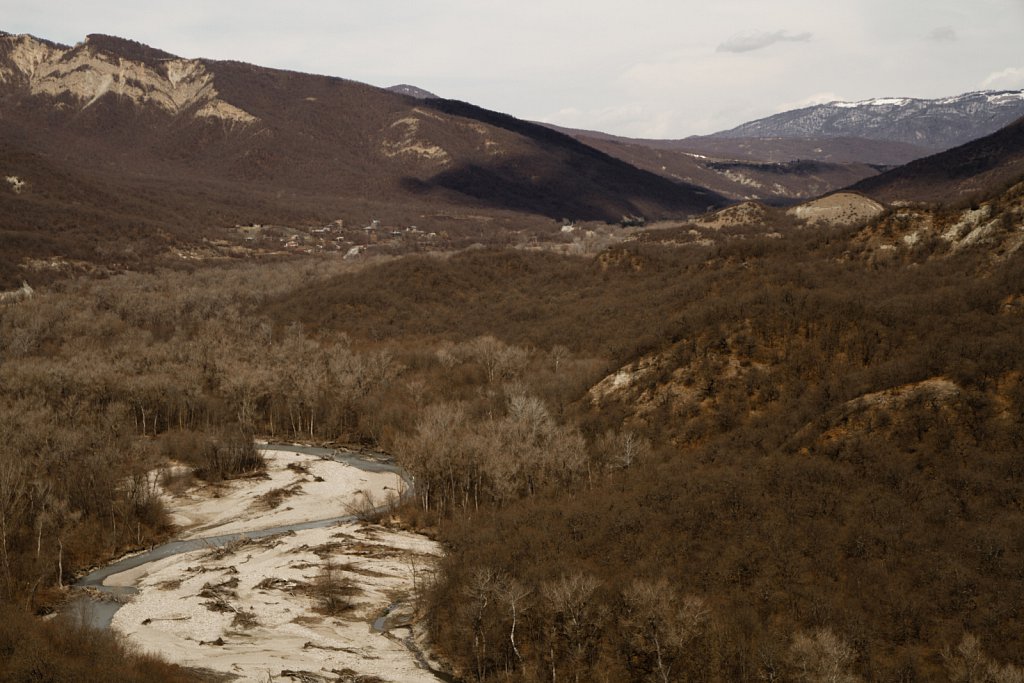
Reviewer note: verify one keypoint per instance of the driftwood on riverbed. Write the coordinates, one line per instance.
(147, 622)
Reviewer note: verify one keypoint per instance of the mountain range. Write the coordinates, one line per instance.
(114, 138)
(803, 153)
(191, 142)
(931, 125)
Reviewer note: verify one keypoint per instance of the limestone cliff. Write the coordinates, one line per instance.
(86, 73)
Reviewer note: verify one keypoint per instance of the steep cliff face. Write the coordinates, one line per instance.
(81, 75)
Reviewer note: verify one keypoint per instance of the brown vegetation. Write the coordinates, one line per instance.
(809, 468)
(971, 170)
(32, 650)
(332, 590)
(117, 183)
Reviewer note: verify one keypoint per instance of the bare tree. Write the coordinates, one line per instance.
(13, 500)
(499, 360)
(573, 620)
(480, 591)
(623, 449)
(968, 663)
(660, 624)
(559, 355)
(822, 657)
(515, 596)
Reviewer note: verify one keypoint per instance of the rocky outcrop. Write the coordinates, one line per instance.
(841, 208)
(87, 73)
(14, 296)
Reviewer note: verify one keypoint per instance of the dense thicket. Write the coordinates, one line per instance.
(612, 305)
(809, 466)
(102, 381)
(844, 493)
(837, 482)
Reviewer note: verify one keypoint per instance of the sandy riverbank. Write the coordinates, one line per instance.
(258, 608)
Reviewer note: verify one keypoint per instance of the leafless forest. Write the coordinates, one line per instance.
(810, 470)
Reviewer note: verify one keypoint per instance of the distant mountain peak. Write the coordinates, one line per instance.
(876, 102)
(991, 96)
(106, 64)
(412, 91)
(934, 124)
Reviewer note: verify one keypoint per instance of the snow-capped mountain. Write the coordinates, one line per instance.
(932, 124)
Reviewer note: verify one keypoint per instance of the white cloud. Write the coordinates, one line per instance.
(748, 41)
(1011, 77)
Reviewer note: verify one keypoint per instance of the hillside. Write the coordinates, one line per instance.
(775, 170)
(804, 153)
(250, 144)
(974, 169)
(800, 450)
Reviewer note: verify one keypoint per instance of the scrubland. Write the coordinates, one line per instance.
(809, 470)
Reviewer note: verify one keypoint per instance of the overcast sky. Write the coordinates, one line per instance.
(643, 68)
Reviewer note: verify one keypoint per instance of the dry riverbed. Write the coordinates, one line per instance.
(298, 603)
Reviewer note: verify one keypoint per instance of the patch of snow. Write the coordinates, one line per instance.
(878, 102)
(1002, 97)
(897, 101)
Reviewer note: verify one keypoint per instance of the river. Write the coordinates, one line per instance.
(270, 640)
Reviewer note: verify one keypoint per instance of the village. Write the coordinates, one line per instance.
(353, 241)
(337, 236)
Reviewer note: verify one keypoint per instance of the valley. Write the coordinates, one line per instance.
(742, 407)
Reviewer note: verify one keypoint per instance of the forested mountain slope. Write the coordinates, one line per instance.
(184, 148)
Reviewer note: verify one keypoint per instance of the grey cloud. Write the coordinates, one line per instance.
(942, 34)
(756, 40)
